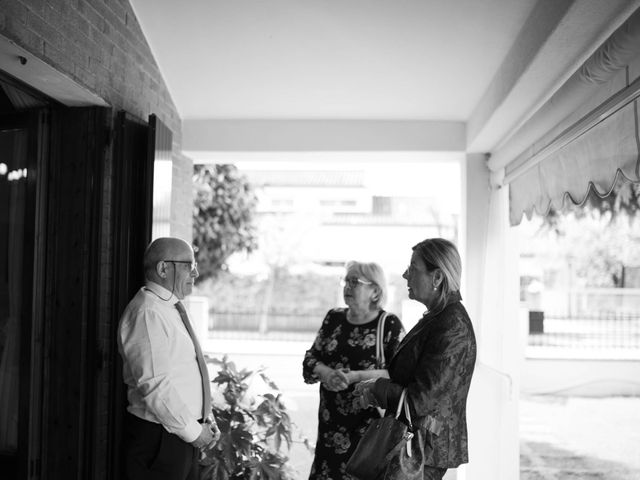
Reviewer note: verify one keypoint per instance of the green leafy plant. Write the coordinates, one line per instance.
(256, 430)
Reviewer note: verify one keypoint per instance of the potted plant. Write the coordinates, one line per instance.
(256, 430)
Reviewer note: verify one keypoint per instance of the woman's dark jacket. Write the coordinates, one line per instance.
(435, 362)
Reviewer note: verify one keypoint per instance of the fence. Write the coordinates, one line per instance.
(599, 331)
(273, 321)
(603, 330)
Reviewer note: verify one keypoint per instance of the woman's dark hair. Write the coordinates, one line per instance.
(438, 253)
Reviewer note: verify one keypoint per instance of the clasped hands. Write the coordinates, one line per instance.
(336, 380)
(209, 435)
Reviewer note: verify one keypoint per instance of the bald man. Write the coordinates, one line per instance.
(168, 420)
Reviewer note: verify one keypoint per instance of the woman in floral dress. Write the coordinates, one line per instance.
(344, 353)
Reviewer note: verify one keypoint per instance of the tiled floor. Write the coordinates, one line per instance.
(579, 438)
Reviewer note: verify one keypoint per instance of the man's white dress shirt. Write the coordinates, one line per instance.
(160, 367)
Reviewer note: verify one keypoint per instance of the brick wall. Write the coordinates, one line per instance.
(100, 45)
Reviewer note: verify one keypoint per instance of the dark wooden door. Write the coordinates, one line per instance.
(23, 146)
(75, 294)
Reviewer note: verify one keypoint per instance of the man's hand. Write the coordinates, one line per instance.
(214, 429)
(207, 438)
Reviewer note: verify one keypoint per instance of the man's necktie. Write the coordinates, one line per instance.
(204, 373)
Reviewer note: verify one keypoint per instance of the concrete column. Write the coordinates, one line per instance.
(490, 293)
(473, 230)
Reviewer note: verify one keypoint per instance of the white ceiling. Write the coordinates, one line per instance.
(343, 59)
(485, 63)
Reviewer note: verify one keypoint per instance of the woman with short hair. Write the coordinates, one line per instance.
(344, 352)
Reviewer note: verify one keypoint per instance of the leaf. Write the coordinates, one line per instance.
(269, 382)
(237, 416)
(270, 397)
(220, 472)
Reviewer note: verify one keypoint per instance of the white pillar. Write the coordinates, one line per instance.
(473, 230)
(490, 293)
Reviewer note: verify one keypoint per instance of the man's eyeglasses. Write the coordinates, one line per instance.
(354, 281)
(192, 265)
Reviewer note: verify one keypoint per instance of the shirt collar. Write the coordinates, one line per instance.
(160, 293)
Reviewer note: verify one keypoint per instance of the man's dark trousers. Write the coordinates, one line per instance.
(152, 453)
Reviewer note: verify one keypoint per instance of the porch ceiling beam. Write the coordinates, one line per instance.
(556, 39)
(208, 135)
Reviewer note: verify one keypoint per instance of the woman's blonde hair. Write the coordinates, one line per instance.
(371, 272)
(438, 253)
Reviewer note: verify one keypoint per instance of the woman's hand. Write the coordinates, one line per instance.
(338, 380)
(355, 376)
(352, 376)
(364, 396)
(332, 379)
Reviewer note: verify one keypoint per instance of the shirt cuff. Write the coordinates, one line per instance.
(190, 432)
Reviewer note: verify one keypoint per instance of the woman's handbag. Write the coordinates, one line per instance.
(408, 467)
(385, 442)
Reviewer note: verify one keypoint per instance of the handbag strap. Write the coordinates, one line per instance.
(380, 360)
(403, 403)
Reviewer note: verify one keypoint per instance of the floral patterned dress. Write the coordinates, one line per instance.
(341, 422)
